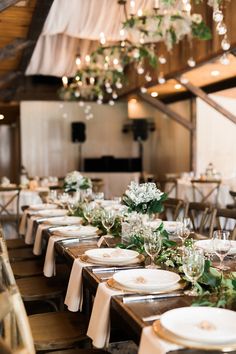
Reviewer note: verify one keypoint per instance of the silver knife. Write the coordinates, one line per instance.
(135, 298)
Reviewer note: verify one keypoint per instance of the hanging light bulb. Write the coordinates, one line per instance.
(225, 44)
(122, 33)
(140, 13)
(136, 54)
(140, 69)
(87, 59)
(115, 61)
(224, 59)
(109, 90)
(107, 84)
(161, 79)
(92, 80)
(148, 77)
(162, 59)
(78, 60)
(77, 78)
(184, 80)
(100, 96)
(114, 95)
(118, 84)
(143, 89)
(141, 39)
(111, 102)
(64, 81)
(191, 62)
(122, 44)
(77, 93)
(218, 15)
(102, 38)
(221, 28)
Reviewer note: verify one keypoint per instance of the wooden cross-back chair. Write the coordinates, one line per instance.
(233, 196)
(173, 208)
(226, 219)
(9, 204)
(202, 218)
(210, 196)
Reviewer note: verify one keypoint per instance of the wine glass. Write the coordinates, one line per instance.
(183, 229)
(88, 210)
(193, 267)
(108, 219)
(72, 205)
(152, 245)
(221, 246)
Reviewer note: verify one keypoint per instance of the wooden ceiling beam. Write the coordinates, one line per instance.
(11, 49)
(198, 92)
(6, 79)
(4, 4)
(166, 110)
(39, 16)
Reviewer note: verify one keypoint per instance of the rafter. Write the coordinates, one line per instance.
(197, 91)
(167, 110)
(4, 4)
(7, 78)
(11, 49)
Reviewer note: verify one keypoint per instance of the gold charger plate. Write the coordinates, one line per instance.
(115, 285)
(173, 338)
(137, 260)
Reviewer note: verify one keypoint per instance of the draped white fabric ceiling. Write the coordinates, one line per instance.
(74, 27)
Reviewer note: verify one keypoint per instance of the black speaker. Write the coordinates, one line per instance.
(140, 129)
(78, 134)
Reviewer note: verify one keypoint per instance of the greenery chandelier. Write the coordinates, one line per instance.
(101, 75)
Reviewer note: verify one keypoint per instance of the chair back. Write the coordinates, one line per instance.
(226, 219)
(15, 336)
(9, 204)
(206, 191)
(202, 218)
(173, 209)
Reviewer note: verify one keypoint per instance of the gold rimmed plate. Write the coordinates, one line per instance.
(137, 260)
(115, 285)
(173, 338)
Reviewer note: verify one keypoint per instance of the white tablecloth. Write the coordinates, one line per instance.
(185, 191)
(27, 197)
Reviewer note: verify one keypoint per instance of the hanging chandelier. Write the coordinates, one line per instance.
(102, 74)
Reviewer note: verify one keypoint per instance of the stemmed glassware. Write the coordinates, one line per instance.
(183, 230)
(152, 245)
(72, 205)
(88, 210)
(108, 219)
(193, 267)
(221, 246)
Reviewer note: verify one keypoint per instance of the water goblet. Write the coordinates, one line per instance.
(221, 246)
(152, 245)
(72, 205)
(193, 267)
(108, 219)
(88, 210)
(183, 233)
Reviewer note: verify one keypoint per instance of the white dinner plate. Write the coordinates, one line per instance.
(111, 255)
(146, 279)
(52, 212)
(63, 220)
(76, 231)
(43, 206)
(201, 324)
(207, 245)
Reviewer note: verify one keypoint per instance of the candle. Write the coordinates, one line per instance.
(156, 4)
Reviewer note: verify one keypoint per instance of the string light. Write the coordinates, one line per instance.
(65, 81)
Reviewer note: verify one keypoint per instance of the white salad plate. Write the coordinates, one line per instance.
(111, 255)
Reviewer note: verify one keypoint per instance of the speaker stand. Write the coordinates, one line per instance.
(81, 167)
(140, 149)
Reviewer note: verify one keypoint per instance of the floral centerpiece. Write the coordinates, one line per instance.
(144, 198)
(74, 181)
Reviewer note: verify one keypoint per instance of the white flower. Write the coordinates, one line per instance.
(73, 177)
(143, 193)
(197, 18)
